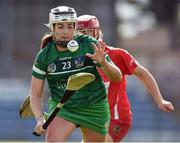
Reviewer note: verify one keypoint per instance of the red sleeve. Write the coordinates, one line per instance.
(123, 60)
(129, 61)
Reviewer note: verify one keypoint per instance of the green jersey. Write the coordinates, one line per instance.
(57, 66)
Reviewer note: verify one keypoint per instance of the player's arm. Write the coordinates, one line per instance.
(109, 69)
(150, 83)
(35, 102)
(35, 96)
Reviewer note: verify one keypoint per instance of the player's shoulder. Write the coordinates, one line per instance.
(117, 50)
(123, 51)
(48, 46)
(46, 50)
(120, 54)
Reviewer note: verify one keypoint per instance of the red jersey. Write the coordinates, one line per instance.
(116, 91)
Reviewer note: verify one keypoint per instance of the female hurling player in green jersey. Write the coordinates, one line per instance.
(88, 107)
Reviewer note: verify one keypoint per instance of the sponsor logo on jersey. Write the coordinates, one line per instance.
(65, 58)
(51, 68)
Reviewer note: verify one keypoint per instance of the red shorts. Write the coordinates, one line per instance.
(118, 129)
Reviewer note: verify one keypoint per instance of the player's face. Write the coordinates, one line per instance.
(87, 32)
(64, 31)
(91, 32)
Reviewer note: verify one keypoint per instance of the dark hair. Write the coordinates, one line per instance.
(45, 40)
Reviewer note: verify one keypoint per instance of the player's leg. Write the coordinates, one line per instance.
(108, 138)
(95, 124)
(59, 130)
(92, 136)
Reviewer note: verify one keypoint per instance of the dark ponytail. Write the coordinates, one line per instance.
(45, 40)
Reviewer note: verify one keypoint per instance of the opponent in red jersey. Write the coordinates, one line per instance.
(121, 116)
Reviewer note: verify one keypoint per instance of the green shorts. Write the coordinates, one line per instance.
(95, 117)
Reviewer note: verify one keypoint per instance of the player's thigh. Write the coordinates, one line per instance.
(92, 136)
(108, 138)
(59, 130)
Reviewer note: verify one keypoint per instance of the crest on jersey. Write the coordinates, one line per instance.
(79, 62)
(51, 68)
(116, 129)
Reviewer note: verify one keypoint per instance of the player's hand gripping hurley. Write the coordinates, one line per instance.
(75, 82)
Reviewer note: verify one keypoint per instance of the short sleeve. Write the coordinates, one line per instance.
(129, 61)
(39, 67)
